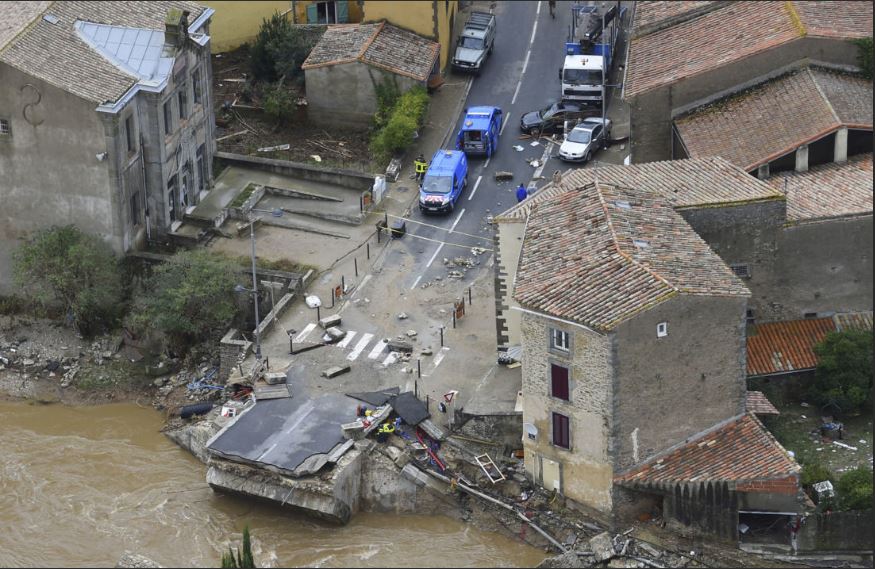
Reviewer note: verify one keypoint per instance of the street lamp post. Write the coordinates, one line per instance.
(255, 289)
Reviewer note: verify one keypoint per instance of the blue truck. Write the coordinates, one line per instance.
(480, 131)
(446, 177)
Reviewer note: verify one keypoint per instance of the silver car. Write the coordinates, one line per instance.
(585, 139)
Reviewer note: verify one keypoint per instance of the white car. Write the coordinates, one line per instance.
(585, 139)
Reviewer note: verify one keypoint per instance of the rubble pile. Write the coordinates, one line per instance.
(621, 550)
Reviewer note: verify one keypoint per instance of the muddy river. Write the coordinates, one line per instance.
(80, 485)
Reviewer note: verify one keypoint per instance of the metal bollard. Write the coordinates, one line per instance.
(342, 284)
(418, 367)
(368, 249)
(318, 315)
(454, 318)
(356, 264)
(442, 336)
(332, 298)
(469, 296)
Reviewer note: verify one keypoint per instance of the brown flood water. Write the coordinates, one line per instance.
(80, 485)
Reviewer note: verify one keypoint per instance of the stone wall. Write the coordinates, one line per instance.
(231, 347)
(584, 470)
(838, 531)
(348, 179)
(508, 243)
(700, 365)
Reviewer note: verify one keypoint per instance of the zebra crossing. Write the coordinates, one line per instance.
(357, 343)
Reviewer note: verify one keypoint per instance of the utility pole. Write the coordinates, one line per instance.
(255, 290)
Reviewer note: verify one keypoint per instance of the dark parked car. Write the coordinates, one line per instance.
(550, 119)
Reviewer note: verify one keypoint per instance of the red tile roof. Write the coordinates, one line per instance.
(650, 16)
(381, 45)
(690, 183)
(776, 117)
(599, 254)
(853, 321)
(739, 451)
(778, 347)
(828, 190)
(708, 37)
(757, 403)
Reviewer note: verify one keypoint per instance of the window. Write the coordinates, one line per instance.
(810, 315)
(168, 118)
(135, 208)
(750, 316)
(561, 431)
(171, 197)
(741, 271)
(183, 102)
(129, 132)
(186, 183)
(662, 329)
(560, 340)
(196, 86)
(201, 169)
(5, 128)
(559, 384)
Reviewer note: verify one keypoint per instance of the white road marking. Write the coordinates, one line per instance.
(359, 347)
(474, 191)
(500, 132)
(378, 349)
(544, 158)
(305, 332)
(350, 334)
(486, 164)
(538, 11)
(360, 285)
(438, 358)
(416, 282)
(455, 223)
(262, 455)
(517, 91)
(526, 62)
(430, 261)
(390, 359)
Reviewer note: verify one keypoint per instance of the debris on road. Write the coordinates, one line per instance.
(518, 147)
(402, 316)
(411, 333)
(333, 335)
(335, 371)
(330, 321)
(503, 175)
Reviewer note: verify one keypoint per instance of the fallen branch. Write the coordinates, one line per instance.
(649, 562)
(232, 135)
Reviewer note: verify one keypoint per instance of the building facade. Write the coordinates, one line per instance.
(108, 126)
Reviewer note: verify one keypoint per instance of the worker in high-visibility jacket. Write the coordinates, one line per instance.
(420, 166)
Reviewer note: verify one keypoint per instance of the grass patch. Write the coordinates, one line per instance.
(243, 196)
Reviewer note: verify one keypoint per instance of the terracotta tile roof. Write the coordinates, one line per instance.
(15, 16)
(652, 15)
(853, 321)
(683, 183)
(776, 117)
(739, 451)
(828, 190)
(381, 45)
(843, 19)
(55, 53)
(600, 254)
(730, 32)
(692, 47)
(759, 404)
(778, 347)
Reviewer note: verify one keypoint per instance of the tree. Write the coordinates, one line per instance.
(244, 559)
(279, 104)
(854, 489)
(188, 298)
(864, 56)
(844, 369)
(63, 265)
(279, 49)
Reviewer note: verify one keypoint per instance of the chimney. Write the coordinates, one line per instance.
(175, 28)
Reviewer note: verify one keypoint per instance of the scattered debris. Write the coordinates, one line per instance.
(402, 316)
(316, 157)
(602, 546)
(843, 445)
(503, 175)
(335, 371)
(518, 147)
(333, 335)
(274, 148)
(534, 143)
(330, 321)
(411, 333)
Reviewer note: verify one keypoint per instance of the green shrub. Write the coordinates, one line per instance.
(243, 559)
(387, 96)
(854, 489)
(12, 304)
(279, 49)
(189, 298)
(62, 266)
(407, 116)
(279, 104)
(864, 56)
(844, 370)
(814, 472)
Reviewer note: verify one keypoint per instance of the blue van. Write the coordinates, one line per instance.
(480, 131)
(446, 177)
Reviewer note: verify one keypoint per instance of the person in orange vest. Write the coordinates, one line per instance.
(420, 166)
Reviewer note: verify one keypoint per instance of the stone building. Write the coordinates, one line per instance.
(623, 308)
(684, 55)
(345, 68)
(106, 118)
(803, 246)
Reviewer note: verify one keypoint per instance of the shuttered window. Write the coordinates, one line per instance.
(561, 431)
(559, 382)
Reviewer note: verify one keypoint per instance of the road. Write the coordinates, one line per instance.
(411, 277)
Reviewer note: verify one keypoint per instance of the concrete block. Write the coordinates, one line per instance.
(275, 377)
(602, 546)
(400, 346)
(330, 321)
(335, 371)
(333, 335)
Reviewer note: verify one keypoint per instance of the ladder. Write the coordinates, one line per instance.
(492, 472)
